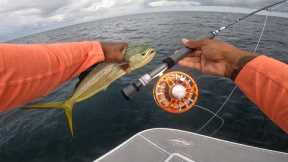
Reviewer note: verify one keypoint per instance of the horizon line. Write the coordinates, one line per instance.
(206, 9)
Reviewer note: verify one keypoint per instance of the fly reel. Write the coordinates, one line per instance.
(176, 92)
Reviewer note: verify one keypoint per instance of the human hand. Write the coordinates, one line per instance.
(113, 51)
(211, 56)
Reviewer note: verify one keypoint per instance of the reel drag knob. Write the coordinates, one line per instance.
(176, 92)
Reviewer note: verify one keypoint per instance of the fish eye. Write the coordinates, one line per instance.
(150, 51)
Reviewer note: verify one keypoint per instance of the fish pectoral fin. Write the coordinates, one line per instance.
(125, 66)
(67, 106)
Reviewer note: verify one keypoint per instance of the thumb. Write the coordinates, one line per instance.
(123, 51)
(119, 52)
(193, 44)
(123, 47)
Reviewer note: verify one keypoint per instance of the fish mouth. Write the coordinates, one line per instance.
(150, 54)
(145, 59)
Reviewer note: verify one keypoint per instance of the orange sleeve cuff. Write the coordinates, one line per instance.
(28, 72)
(265, 81)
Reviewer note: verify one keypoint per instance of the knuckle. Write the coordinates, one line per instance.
(206, 41)
(125, 44)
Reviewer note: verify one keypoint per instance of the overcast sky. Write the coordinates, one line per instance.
(22, 17)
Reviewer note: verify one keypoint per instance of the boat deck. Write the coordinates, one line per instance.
(170, 145)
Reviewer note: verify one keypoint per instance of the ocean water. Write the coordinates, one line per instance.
(107, 119)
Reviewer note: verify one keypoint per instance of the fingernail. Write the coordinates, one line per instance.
(184, 40)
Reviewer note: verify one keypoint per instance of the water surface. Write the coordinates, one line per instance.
(106, 120)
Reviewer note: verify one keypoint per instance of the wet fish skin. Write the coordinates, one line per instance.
(99, 79)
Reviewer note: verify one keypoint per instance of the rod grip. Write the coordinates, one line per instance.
(169, 62)
(182, 52)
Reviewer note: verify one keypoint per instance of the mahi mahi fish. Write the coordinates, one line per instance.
(99, 79)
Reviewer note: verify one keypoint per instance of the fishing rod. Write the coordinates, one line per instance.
(170, 61)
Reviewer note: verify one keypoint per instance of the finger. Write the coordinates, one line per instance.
(194, 44)
(190, 62)
(121, 51)
(191, 59)
(123, 46)
(202, 63)
(116, 46)
(196, 53)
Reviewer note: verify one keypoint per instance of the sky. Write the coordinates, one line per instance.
(23, 17)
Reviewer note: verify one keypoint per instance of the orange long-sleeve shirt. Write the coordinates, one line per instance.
(28, 72)
(265, 82)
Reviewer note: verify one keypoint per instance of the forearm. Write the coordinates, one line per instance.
(28, 72)
(265, 82)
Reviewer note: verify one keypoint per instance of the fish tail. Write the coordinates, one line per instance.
(67, 106)
(49, 105)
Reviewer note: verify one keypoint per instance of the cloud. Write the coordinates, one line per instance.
(21, 17)
(101, 5)
(45, 7)
(28, 16)
(163, 3)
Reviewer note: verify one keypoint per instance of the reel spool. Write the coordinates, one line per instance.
(176, 92)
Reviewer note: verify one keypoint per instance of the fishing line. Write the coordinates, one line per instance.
(208, 110)
(172, 60)
(235, 87)
(175, 98)
(262, 32)
(219, 109)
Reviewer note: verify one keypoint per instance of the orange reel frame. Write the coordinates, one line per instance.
(162, 92)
